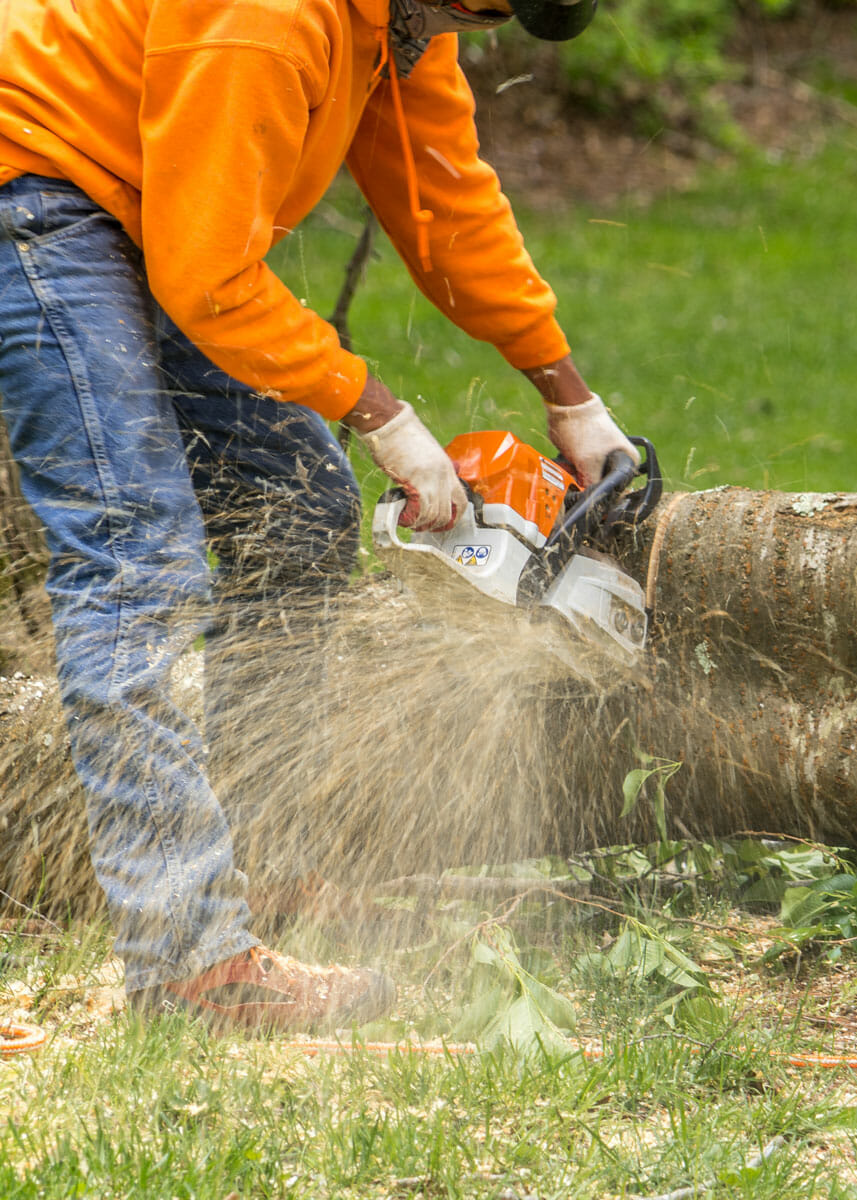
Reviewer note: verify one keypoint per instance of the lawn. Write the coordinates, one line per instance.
(654, 1044)
(633, 1050)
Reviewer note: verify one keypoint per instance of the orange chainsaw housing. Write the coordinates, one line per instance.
(504, 470)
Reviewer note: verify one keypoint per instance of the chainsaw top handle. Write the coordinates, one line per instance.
(603, 505)
(634, 507)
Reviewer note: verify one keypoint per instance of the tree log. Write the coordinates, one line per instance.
(409, 760)
(754, 659)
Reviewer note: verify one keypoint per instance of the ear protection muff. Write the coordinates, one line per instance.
(554, 20)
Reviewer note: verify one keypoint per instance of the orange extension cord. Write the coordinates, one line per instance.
(20, 1039)
(315, 1047)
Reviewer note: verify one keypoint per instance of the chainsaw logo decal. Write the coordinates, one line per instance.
(552, 473)
(471, 556)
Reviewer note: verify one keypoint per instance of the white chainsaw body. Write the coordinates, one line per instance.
(598, 601)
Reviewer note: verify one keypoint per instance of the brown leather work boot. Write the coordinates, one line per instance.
(265, 992)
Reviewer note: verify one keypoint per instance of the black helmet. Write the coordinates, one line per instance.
(554, 20)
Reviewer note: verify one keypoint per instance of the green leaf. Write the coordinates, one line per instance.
(554, 1006)
(623, 953)
(517, 1008)
(641, 952)
(524, 1027)
(800, 906)
(767, 890)
(634, 782)
(631, 788)
(592, 960)
(701, 1015)
(750, 851)
(652, 957)
(485, 953)
(480, 1013)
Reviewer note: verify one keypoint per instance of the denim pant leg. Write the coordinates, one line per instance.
(102, 462)
(282, 513)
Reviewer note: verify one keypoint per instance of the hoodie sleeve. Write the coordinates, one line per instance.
(223, 121)
(483, 279)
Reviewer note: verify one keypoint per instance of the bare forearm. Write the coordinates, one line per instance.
(559, 383)
(579, 425)
(377, 405)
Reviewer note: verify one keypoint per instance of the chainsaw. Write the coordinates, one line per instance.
(531, 538)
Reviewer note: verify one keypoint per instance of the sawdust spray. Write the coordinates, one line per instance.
(377, 739)
(388, 739)
(370, 737)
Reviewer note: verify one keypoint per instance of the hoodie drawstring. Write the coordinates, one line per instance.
(422, 217)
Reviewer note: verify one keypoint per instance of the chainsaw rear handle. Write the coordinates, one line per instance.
(385, 520)
(604, 504)
(390, 506)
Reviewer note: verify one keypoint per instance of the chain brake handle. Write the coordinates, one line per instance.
(597, 510)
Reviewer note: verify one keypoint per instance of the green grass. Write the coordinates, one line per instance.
(110, 1108)
(686, 1076)
(719, 323)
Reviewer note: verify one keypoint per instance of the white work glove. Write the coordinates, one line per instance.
(585, 434)
(406, 451)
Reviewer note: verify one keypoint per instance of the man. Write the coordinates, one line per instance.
(160, 385)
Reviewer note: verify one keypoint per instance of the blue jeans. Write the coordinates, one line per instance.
(133, 449)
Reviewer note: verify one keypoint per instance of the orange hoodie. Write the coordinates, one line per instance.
(210, 128)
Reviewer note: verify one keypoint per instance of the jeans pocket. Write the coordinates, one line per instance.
(64, 210)
(51, 210)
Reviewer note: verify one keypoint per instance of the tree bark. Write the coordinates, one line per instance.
(414, 762)
(23, 557)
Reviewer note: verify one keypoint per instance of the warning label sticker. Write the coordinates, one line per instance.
(471, 556)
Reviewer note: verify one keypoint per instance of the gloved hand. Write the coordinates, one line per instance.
(405, 450)
(585, 434)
